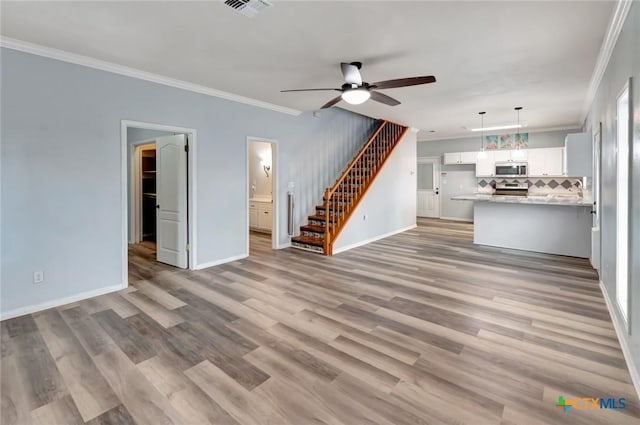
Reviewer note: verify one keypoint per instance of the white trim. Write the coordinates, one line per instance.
(284, 245)
(61, 301)
(467, 220)
(621, 333)
(606, 50)
(218, 262)
(192, 135)
(275, 224)
(375, 238)
(49, 52)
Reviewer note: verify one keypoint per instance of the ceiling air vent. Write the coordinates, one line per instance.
(248, 8)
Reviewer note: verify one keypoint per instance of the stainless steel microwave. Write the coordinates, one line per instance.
(511, 169)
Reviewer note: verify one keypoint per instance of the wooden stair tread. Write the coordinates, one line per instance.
(312, 228)
(319, 217)
(336, 207)
(307, 240)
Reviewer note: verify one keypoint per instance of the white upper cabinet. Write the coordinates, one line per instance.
(510, 155)
(468, 157)
(460, 157)
(578, 155)
(485, 166)
(546, 162)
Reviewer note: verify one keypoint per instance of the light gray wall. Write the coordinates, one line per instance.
(544, 139)
(259, 183)
(390, 203)
(61, 168)
(624, 63)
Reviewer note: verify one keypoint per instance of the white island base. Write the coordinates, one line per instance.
(553, 229)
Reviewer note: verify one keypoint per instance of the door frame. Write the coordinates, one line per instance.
(275, 204)
(192, 223)
(135, 189)
(628, 88)
(436, 161)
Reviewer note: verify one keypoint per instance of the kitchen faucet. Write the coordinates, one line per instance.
(580, 187)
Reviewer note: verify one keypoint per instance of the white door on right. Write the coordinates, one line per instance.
(171, 181)
(428, 176)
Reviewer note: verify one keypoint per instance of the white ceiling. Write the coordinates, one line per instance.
(488, 56)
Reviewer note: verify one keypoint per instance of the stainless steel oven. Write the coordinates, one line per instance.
(511, 169)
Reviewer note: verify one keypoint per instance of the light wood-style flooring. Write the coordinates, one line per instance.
(419, 328)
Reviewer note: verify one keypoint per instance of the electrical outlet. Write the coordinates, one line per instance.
(38, 277)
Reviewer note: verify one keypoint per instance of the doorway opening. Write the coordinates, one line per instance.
(622, 204)
(261, 193)
(158, 206)
(428, 184)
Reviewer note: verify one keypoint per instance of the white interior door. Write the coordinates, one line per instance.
(595, 230)
(428, 175)
(171, 189)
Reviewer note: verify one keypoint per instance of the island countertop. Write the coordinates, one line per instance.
(564, 200)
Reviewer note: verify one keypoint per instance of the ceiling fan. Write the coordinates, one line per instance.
(355, 91)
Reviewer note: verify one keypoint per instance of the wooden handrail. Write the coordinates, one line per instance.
(338, 206)
(358, 156)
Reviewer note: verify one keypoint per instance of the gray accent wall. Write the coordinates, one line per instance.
(624, 63)
(61, 170)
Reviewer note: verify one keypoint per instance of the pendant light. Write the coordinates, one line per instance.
(482, 153)
(518, 109)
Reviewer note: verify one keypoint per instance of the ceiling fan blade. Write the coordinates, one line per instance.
(285, 91)
(403, 82)
(383, 98)
(332, 102)
(351, 73)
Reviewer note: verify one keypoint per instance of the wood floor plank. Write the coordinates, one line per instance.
(117, 416)
(243, 406)
(88, 388)
(62, 411)
(37, 370)
(89, 333)
(422, 327)
(136, 347)
(145, 404)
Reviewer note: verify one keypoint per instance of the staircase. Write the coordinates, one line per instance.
(341, 199)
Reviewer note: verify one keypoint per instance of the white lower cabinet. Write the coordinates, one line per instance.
(261, 216)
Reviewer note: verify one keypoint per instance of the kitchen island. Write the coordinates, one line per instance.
(553, 224)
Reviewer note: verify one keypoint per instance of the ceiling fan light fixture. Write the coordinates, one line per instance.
(356, 96)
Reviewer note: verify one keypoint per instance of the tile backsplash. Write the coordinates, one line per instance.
(537, 186)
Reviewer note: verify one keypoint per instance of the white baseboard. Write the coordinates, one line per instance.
(620, 332)
(60, 301)
(284, 245)
(376, 238)
(466, 220)
(218, 262)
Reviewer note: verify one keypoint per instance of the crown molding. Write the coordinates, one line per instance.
(61, 55)
(606, 50)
